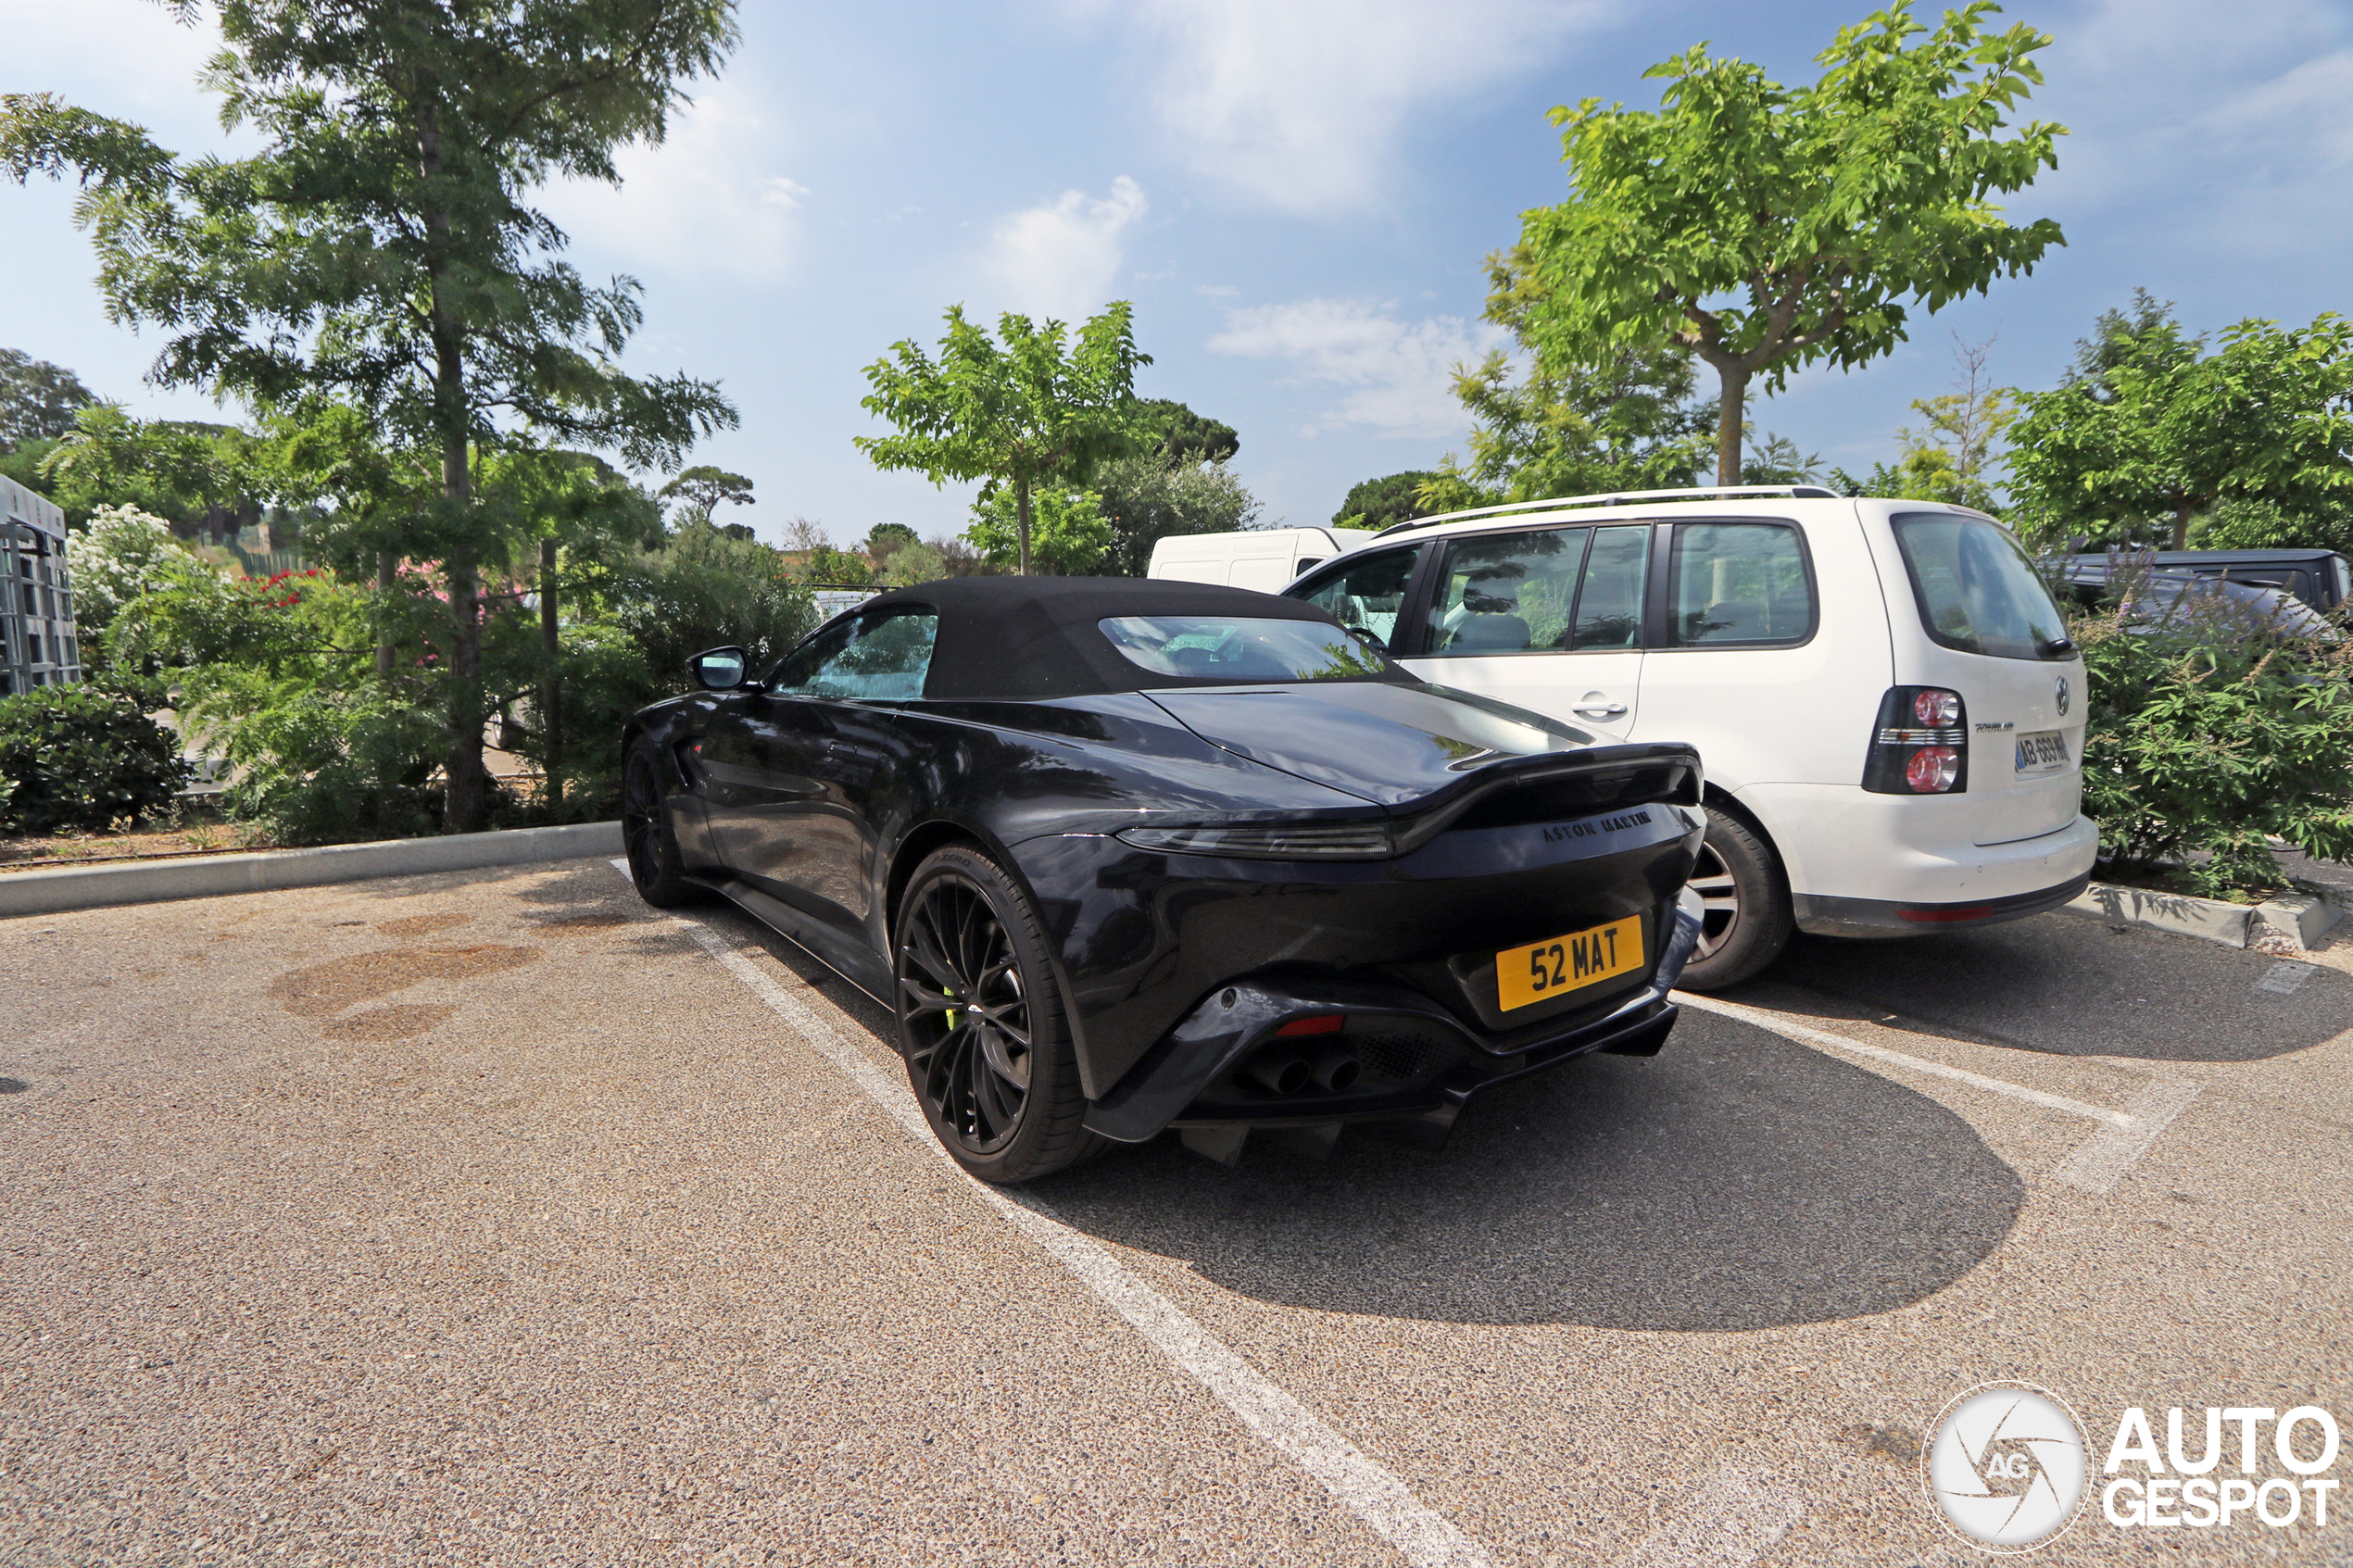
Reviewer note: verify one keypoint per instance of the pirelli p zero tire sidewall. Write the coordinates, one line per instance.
(1761, 921)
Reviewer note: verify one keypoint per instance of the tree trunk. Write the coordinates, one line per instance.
(2182, 525)
(1729, 418)
(551, 728)
(467, 806)
(386, 576)
(1021, 512)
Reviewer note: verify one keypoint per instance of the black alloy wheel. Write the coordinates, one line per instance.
(981, 1022)
(646, 837)
(1745, 919)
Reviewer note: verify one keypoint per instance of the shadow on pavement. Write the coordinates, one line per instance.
(2071, 987)
(1736, 1180)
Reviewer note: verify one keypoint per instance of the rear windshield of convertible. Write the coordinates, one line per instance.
(1241, 650)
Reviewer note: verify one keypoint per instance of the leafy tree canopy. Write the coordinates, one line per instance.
(885, 539)
(2149, 430)
(1188, 437)
(1070, 534)
(181, 471)
(701, 489)
(379, 247)
(1376, 503)
(38, 400)
(1630, 424)
(1147, 497)
(1038, 410)
(1762, 228)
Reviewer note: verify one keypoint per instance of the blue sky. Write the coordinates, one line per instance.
(1297, 194)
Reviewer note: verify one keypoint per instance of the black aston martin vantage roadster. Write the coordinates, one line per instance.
(1131, 854)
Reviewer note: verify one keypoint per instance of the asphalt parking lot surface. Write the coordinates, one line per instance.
(496, 1218)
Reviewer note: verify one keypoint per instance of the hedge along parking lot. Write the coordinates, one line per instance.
(461, 1217)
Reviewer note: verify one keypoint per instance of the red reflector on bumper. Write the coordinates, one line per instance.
(1328, 1024)
(1931, 915)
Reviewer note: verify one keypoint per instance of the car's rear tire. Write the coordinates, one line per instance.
(1744, 899)
(983, 1024)
(647, 835)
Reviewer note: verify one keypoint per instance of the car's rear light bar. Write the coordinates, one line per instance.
(1271, 841)
(1920, 745)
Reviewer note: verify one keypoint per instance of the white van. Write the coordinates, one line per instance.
(1881, 692)
(1264, 558)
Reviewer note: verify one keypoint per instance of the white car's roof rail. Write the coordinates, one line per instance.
(1617, 498)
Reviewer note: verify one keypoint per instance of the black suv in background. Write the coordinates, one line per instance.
(2321, 579)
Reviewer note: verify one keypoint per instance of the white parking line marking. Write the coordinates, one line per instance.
(2286, 979)
(1731, 1519)
(1422, 1536)
(2095, 1167)
(2108, 1153)
(1823, 1038)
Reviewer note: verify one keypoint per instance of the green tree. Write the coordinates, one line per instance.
(1764, 227)
(1630, 423)
(1069, 534)
(700, 489)
(189, 474)
(828, 567)
(1188, 437)
(38, 400)
(379, 247)
(1376, 503)
(1149, 497)
(2147, 429)
(1025, 416)
(885, 539)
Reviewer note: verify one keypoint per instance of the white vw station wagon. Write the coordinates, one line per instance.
(1882, 692)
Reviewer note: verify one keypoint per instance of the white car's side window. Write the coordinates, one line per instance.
(1368, 594)
(1506, 592)
(1740, 582)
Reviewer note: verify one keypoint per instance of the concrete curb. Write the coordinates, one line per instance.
(153, 882)
(2298, 918)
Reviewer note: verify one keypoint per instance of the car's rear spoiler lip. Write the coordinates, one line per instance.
(1425, 818)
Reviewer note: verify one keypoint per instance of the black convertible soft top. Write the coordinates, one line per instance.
(1010, 638)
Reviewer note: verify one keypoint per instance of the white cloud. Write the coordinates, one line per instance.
(1298, 103)
(1062, 257)
(1398, 375)
(2235, 121)
(709, 199)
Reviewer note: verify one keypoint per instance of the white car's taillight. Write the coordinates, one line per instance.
(1920, 744)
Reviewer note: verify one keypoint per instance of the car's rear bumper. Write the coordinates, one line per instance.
(1420, 1059)
(1845, 845)
(1879, 918)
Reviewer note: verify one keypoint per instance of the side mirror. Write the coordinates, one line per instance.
(719, 669)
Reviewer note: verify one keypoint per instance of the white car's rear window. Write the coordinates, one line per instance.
(1976, 590)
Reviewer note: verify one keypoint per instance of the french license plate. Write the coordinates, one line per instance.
(2041, 754)
(1553, 968)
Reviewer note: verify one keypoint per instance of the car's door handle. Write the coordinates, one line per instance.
(1597, 705)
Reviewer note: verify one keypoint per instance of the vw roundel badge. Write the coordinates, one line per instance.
(2062, 693)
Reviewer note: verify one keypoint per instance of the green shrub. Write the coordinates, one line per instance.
(79, 759)
(2206, 739)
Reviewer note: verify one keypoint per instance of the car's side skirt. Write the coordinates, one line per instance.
(820, 940)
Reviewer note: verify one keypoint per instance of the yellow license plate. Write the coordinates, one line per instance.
(1567, 964)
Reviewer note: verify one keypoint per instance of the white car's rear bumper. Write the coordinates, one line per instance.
(1865, 864)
